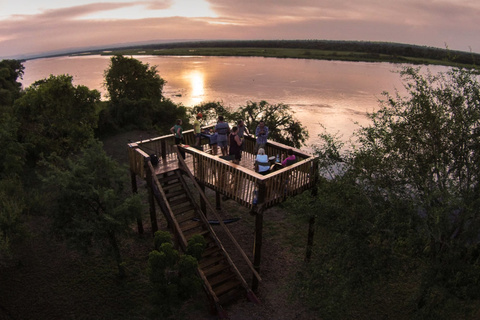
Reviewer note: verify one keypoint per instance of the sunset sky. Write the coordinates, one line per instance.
(31, 27)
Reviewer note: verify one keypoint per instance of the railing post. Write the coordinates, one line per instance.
(151, 199)
(257, 246)
(133, 178)
(164, 149)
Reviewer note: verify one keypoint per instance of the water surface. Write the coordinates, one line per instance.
(332, 93)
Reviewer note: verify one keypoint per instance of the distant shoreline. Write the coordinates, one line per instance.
(364, 51)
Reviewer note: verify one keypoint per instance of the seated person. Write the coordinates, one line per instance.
(262, 165)
(290, 159)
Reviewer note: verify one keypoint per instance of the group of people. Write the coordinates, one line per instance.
(264, 166)
(231, 141)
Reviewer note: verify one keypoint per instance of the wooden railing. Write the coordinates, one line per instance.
(235, 181)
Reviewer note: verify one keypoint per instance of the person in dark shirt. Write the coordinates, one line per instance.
(235, 145)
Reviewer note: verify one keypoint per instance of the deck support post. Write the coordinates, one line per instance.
(151, 199)
(203, 204)
(257, 246)
(218, 200)
(133, 178)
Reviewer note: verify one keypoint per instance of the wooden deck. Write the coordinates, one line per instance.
(236, 181)
(170, 163)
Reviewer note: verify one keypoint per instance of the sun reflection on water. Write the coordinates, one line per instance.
(197, 86)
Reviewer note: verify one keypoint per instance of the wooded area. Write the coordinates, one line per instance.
(306, 49)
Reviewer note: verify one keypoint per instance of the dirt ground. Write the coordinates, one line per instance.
(39, 282)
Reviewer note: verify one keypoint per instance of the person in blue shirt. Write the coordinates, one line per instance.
(222, 129)
(262, 135)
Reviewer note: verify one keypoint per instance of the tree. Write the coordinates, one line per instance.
(403, 204)
(12, 204)
(89, 204)
(424, 149)
(279, 118)
(56, 116)
(173, 275)
(137, 101)
(10, 88)
(12, 157)
(130, 79)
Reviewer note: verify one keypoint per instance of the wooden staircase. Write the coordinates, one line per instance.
(223, 282)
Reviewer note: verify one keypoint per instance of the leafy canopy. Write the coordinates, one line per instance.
(283, 127)
(10, 88)
(89, 203)
(56, 116)
(136, 98)
(402, 204)
(130, 79)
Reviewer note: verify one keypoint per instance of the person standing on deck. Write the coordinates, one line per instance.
(242, 132)
(177, 130)
(222, 129)
(235, 145)
(197, 130)
(262, 135)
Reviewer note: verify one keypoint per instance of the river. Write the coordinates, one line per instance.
(332, 94)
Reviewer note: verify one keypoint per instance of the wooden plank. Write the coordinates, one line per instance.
(188, 225)
(221, 278)
(211, 261)
(227, 286)
(213, 270)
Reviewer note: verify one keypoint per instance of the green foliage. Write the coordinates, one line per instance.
(56, 117)
(11, 213)
(196, 245)
(161, 237)
(89, 204)
(402, 204)
(12, 157)
(279, 118)
(130, 79)
(10, 88)
(173, 275)
(135, 90)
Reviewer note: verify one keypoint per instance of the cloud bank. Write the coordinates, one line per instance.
(78, 24)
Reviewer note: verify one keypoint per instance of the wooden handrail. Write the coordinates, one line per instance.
(222, 224)
(180, 234)
(165, 201)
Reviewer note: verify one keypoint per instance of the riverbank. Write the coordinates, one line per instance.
(305, 49)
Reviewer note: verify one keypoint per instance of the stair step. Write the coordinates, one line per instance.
(185, 216)
(190, 233)
(221, 278)
(182, 209)
(232, 295)
(171, 187)
(227, 286)
(176, 202)
(190, 224)
(177, 193)
(213, 250)
(210, 260)
(168, 178)
(213, 270)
